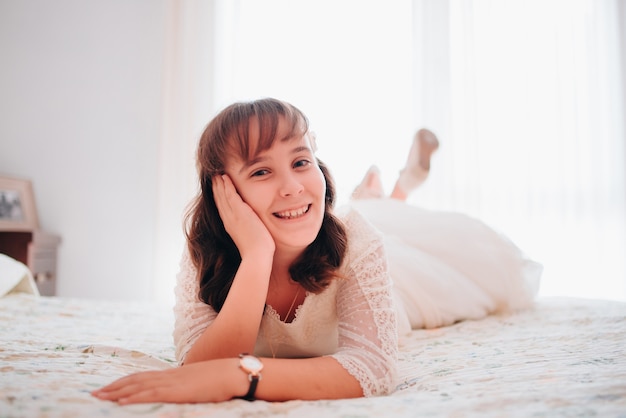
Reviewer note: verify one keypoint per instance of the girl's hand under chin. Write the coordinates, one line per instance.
(242, 224)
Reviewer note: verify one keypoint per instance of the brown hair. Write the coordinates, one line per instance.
(212, 251)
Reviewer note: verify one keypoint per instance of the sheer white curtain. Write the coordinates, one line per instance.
(525, 96)
(532, 117)
(188, 103)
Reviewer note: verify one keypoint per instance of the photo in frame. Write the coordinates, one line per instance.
(17, 205)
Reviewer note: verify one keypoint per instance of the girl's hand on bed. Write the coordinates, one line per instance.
(242, 224)
(209, 381)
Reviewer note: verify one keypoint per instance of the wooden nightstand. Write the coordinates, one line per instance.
(38, 250)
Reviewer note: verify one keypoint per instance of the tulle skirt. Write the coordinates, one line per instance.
(447, 266)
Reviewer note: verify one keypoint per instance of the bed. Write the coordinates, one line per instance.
(564, 357)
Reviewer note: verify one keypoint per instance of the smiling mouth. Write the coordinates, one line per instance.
(293, 214)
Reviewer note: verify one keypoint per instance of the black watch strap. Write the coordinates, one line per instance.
(252, 366)
(254, 381)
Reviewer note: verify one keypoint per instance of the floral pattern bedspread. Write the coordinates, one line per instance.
(566, 357)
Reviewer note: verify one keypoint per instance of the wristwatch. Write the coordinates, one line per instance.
(253, 367)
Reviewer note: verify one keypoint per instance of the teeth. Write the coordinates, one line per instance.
(290, 214)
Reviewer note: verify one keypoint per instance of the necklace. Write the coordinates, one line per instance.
(269, 341)
(293, 302)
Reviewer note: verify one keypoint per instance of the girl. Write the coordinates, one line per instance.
(272, 270)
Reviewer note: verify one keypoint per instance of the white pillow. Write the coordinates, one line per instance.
(15, 277)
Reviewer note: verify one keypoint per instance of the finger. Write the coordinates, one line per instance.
(125, 381)
(127, 384)
(159, 390)
(230, 192)
(219, 195)
(164, 387)
(228, 201)
(229, 186)
(119, 393)
(217, 183)
(149, 395)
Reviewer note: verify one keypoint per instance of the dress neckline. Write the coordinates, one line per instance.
(271, 313)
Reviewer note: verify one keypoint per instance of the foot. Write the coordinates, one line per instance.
(427, 143)
(417, 167)
(371, 186)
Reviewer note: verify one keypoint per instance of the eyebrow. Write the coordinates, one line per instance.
(256, 160)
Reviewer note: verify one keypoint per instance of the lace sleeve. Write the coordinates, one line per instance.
(368, 340)
(191, 315)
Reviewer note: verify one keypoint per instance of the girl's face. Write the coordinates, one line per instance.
(284, 186)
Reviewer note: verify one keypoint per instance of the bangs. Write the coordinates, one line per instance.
(267, 114)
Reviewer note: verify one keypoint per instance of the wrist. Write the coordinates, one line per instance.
(256, 268)
(250, 367)
(235, 381)
(260, 256)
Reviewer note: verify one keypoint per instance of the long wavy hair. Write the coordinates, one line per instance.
(211, 249)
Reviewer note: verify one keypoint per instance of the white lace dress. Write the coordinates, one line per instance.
(445, 267)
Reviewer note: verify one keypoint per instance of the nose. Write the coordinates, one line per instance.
(291, 186)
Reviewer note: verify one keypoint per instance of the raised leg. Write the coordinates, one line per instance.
(371, 187)
(417, 167)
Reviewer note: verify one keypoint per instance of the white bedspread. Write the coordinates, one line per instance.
(566, 357)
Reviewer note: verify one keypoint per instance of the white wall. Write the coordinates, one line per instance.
(80, 103)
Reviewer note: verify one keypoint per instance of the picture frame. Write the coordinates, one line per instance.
(17, 205)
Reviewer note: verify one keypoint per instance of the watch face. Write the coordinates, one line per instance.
(251, 364)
